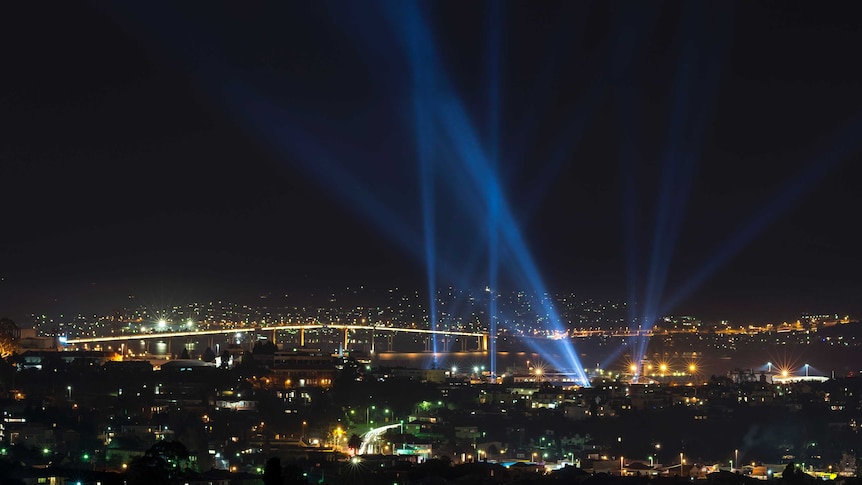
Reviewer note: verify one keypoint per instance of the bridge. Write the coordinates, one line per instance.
(482, 337)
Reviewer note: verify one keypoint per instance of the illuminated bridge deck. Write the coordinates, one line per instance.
(342, 327)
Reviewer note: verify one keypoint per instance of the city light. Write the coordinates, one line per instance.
(453, 155)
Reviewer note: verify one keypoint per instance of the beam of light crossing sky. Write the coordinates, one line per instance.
(845, 143)
(492, 48)
(423, 79)
(474, 160)
(460, 132)
(694, 93)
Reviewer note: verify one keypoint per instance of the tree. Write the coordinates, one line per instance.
(791, 475)
(8, 337)
(848, 462)
(492, 451)
(185, 354)
(264, 348)
(225, 359)
(209, 355)
(354, 442)
(272, 473)
(294, 475)
(159, 465)
(173, 453)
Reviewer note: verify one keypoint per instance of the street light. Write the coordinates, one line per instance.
(69, 388)
(735, 457)
(806, 370)
(681, 461)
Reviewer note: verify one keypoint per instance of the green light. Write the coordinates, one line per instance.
(85, 457)
(45, 451)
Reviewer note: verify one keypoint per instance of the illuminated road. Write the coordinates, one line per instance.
(373, 435)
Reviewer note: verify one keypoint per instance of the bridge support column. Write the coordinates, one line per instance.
(274, 336)
(302, 337)
(389, 342)
(485, 342)
(463, 344)
(372, 340)
(345, 339)
(427, 344)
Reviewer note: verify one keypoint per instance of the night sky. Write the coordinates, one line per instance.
(192, 151)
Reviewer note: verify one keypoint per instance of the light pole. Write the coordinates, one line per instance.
(681, 460)
(806, 370)
(769, 367)
(735, 458)
(622, 461)
(69, 388)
